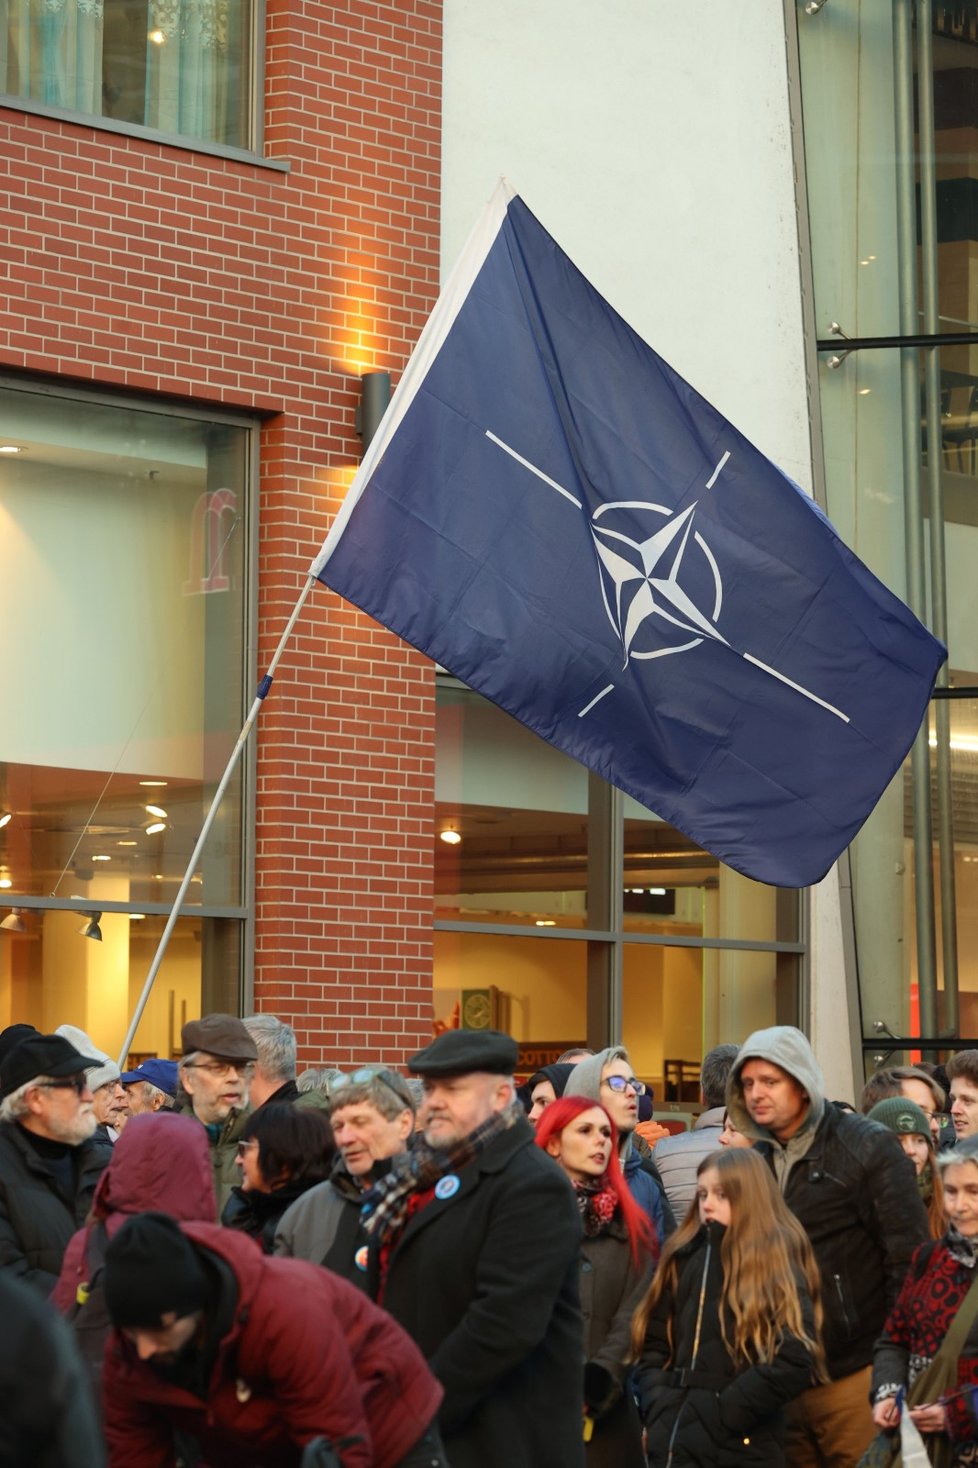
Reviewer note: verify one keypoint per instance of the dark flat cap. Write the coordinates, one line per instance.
(223, 1035)
(41, 1055)
(457, 1052)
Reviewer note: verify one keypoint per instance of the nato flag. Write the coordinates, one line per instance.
(555, 516)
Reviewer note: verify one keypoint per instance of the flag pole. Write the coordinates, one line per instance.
(240, 742)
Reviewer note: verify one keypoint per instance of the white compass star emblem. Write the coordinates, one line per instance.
(643, 578)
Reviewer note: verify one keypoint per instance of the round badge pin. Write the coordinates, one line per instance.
(361, 1256)
(447, 1187)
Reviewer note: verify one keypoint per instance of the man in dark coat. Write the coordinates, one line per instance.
(48, 1418)
(49, 1164)
(474, 1250)
(853, 1190)
(253, 1358)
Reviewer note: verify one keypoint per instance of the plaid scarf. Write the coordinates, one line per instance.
(597, 1203)
(385, 1206)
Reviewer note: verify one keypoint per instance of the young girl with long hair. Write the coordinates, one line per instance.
(617, 1253)
(728, 1332)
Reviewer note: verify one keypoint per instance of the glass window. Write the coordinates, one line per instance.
(177, 66)
(123, 556)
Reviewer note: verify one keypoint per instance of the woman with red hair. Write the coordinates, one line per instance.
(617, 1255)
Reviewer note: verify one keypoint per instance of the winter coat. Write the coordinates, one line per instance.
(259, 1214)
(36, 1218)
(161, 1163)
(855, 1194)
(222, 1139)
(677, 1158)
(48, 1419)
(853, 1190)
(642, 1178)
(305, 1355)
(484, 1278)
(937, 1282)
(324, 1226)
(612, 1284)
(700, 1410)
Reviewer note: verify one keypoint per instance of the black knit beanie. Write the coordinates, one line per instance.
(152, 1268)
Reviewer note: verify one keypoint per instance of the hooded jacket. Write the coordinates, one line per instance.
(641, 1173)
(306, 1355)
(853, 1190)
(162, 1163)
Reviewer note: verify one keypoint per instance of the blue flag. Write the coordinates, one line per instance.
(555, 516)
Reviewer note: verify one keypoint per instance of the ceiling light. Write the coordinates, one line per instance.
(6, 818)
(10, 448)
(546, 922)
(154, 784)
(157, 37)
(156, 827)
(5, 881)
(91, 929)
(137, 917)
(127, 843)
(155, 810)
(450, 836)
(101, 858)
(14, 921)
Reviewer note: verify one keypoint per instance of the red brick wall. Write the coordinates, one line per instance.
(138, 265)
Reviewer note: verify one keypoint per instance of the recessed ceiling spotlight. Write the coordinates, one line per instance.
(155, 827)
(6, 818)
(450, 836)
(10, 448)
(100, 857)
(155, 810)
(153, 784)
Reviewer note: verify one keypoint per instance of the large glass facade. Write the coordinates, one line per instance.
(124, 570)
(183, 67)
(568, 914)
(891, 150)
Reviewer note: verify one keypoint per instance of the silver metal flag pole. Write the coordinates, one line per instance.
(242, 739)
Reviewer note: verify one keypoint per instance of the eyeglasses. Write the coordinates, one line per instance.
(77, 1084)
(245, 1144)
(224, 1067)
(368, 1073)
(621, 1083)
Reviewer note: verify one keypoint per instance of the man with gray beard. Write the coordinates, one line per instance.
(49, 1164)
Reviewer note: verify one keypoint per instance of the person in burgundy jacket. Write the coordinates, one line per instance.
(254, 1358)
(160, 1163)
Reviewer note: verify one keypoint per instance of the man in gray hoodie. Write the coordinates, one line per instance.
(853, 1190)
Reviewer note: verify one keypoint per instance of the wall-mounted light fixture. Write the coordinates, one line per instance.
(91, 929)
(375, 394)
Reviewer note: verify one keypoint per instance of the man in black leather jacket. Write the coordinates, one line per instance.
(853, 1190)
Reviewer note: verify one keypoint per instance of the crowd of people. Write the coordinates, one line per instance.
(203, 1262)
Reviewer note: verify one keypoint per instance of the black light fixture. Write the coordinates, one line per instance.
(375, 394)
(91, 929)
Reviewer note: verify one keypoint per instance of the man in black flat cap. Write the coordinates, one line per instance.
(215, 1071)
(49, 1164)
(474, 1250)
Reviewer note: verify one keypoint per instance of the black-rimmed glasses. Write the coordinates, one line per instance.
(621, 1083)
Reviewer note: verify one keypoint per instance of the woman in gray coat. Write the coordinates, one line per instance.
(617, 1254)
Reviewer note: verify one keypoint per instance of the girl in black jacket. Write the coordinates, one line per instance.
(728, 1331)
